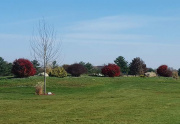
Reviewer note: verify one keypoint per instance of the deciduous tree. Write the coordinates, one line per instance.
(44, 46)
(137, 67)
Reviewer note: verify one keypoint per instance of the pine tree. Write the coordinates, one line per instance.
(122, 63)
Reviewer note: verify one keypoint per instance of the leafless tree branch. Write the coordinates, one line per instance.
(44, 46)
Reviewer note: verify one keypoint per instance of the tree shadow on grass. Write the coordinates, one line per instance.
(8, 77)
(15, 92)
(12, 77)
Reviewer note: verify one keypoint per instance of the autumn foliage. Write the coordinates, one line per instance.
(111, 70)
(164, 71)
(23, 68)
(76, 69)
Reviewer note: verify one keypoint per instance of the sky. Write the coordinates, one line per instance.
(95, 31)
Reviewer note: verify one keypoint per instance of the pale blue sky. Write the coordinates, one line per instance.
(96, 31)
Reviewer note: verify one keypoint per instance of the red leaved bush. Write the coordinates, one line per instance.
(164, 71)
(76, 69)
(111, 70)
(23, 68)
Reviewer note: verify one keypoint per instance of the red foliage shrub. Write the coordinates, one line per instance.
(76, 69)
(23, 68)
(164, 71)
(111, 70)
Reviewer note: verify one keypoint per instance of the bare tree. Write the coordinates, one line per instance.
(44, 46)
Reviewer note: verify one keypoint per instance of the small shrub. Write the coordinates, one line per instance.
(175, 74)
(23, 68)
(76, 69)
(58, 72)
(164, 71)
(111, 70)
(39, 88)
(143, 76)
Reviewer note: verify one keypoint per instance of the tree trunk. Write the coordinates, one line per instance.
(44, 76)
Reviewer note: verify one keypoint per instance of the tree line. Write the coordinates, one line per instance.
(136, 67)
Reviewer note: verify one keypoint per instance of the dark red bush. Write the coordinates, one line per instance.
(164, 71)
(23, 68)
(76, 69)
(111, 70)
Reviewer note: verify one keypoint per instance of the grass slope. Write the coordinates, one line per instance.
(91, 100)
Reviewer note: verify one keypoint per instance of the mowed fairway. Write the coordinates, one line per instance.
(91, 100)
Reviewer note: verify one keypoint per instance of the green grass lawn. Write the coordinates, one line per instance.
(91, 100)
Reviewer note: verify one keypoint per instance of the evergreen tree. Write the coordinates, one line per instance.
(179, 71)
(54, 64)
(36, 65)
(89, 67)
(122, 63)
(5, 68)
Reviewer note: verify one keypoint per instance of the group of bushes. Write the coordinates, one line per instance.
(25, 68)
(138, 67)
(113, 70)
(74, 69)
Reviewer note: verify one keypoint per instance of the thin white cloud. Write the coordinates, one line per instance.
(105, 24)
(110, 30)
(116, 23)
(120, 43)
(105, 37)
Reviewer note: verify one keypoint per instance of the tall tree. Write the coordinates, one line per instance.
(2, 66)
(54, 64)
(137, 67)
(179, 71)
(44, 46)
(36, 65)
(5, 68)
(122, 63)
(89, 67)
(82, 63)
